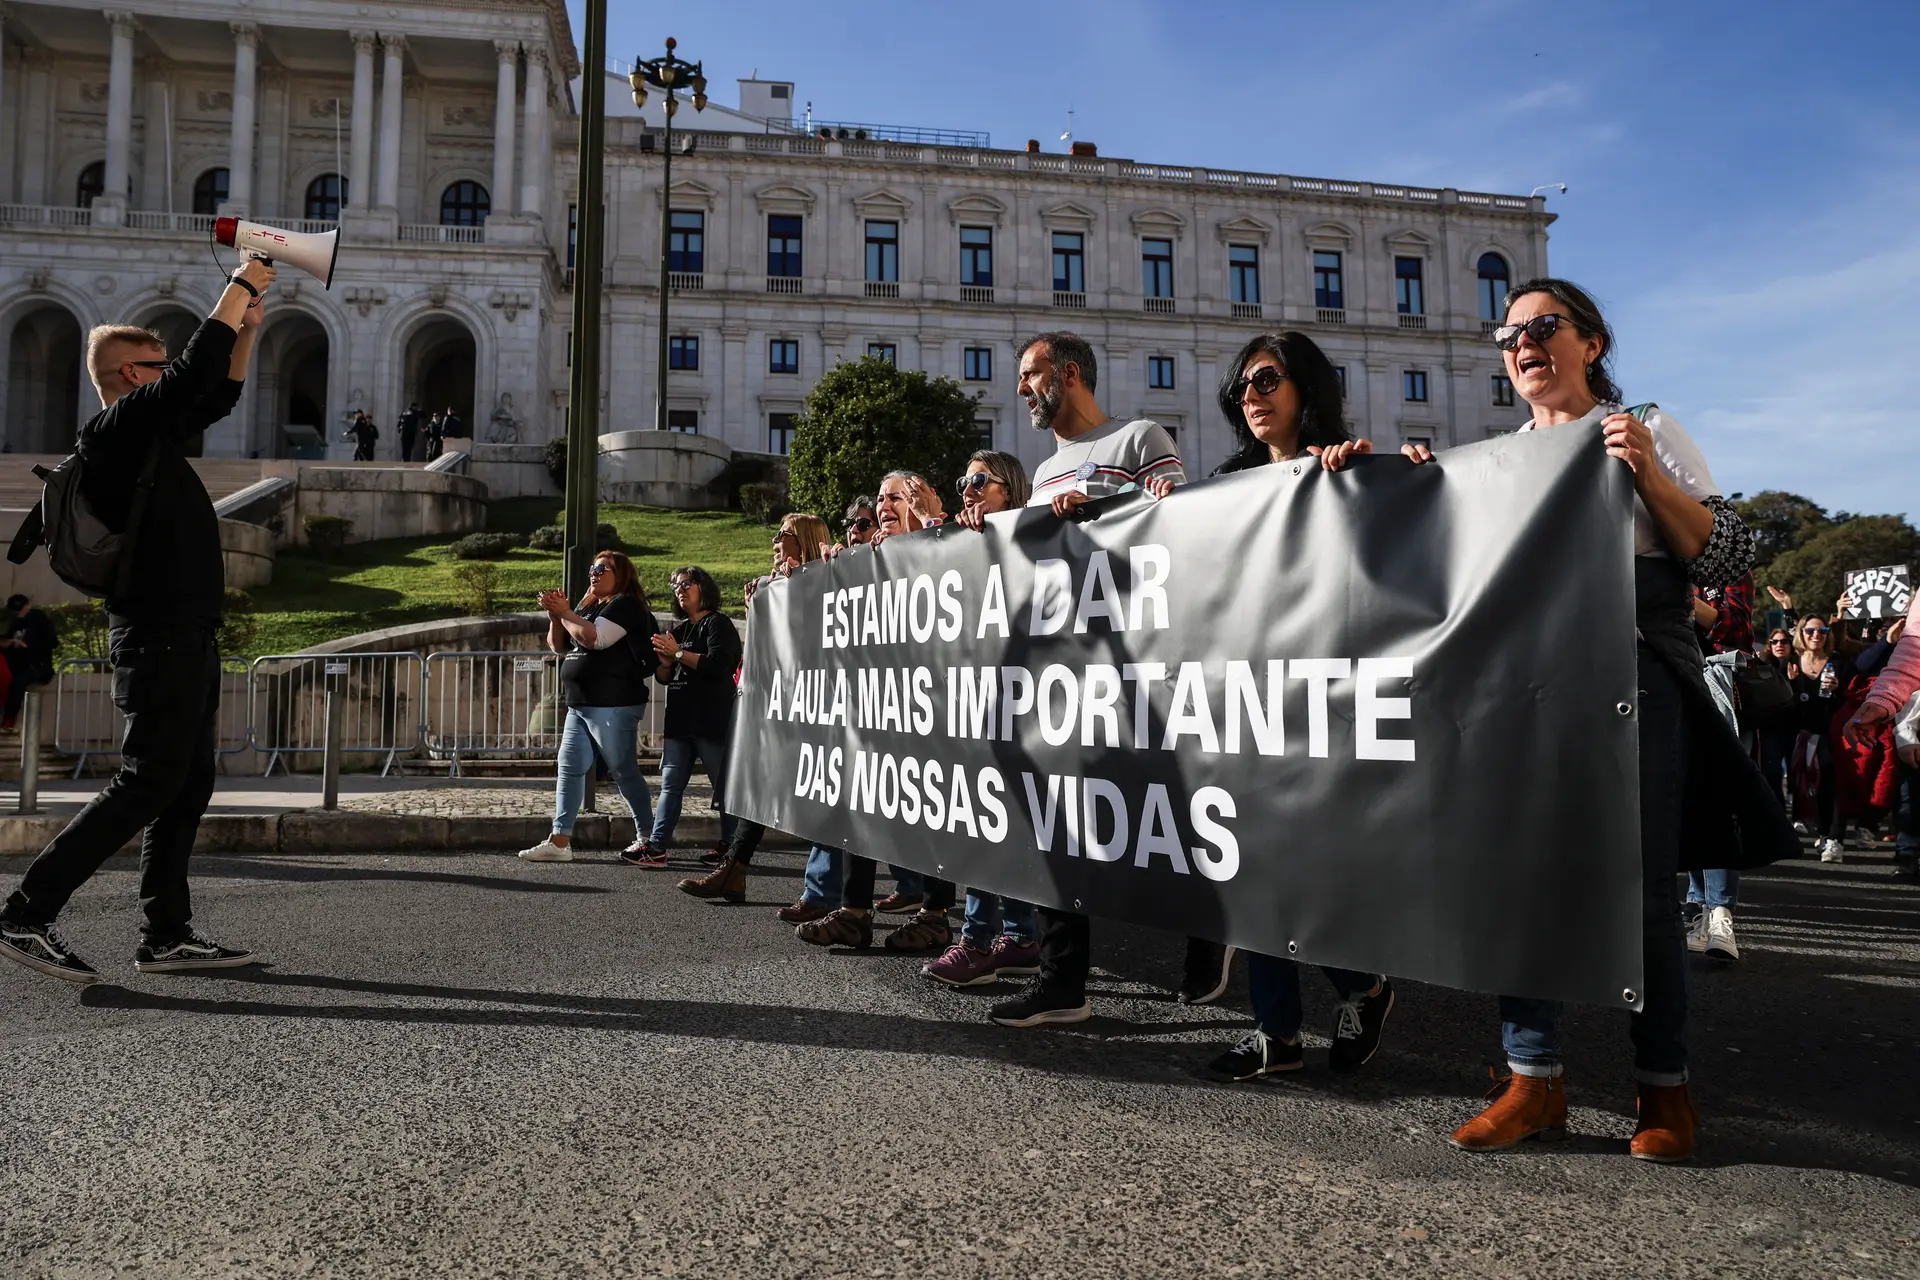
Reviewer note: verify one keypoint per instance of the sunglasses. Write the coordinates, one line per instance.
(973, 483)
(860, 524)
(1266, 380)
(1815, 631)
(148, 364)
(681, 584)
(1540, 328)
(597, 570)
(1781, 640)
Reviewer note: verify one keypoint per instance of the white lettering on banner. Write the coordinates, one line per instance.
(773, 696)
(1052, 597)
(993, 605)
(950, 583)
(920, 593)
(1318, 673)
(1142, 676)
(1094, 815)
(917, 791)
(1369, 709)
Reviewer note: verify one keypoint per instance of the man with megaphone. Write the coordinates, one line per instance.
(163, 618)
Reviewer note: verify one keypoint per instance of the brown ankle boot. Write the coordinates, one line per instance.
(1665, 1132)
(728, 880)
(1523, 1107)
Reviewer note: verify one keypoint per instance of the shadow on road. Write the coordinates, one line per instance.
(304, 871)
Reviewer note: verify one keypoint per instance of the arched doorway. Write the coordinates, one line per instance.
(291, 406)
(44, 354)
(440, 369)
(176, 325)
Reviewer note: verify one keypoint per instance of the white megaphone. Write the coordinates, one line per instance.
(312, 253)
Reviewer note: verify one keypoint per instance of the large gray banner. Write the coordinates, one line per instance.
(1381, 719)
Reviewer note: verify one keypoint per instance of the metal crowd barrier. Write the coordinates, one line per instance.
(494, 704)
(382, 697)
(87, 725)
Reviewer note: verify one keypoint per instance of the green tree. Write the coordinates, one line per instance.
(1782, 522)
(1815, 573)
(866, 418)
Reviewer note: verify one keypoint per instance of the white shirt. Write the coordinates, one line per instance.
(1679, 457)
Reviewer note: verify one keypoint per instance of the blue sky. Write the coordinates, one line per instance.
(1744, 179)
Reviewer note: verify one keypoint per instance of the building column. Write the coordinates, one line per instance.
(388, 195)
(246, 44)
(36, 111)
(506, 83)
(156, 140)
(110, 210)
(6, 139)
(535, 144)
(360, 124)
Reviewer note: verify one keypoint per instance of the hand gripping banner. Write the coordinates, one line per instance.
(1380, 719)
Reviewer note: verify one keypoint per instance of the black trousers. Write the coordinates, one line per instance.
(406, 446)
(858, 891)
(1066, 946)
(21, 670)
(167, 683)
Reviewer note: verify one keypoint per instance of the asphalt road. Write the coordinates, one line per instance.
(473, 1066)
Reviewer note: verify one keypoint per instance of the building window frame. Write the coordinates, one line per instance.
(324, 197)
(683, 352)
(465, 202)
(1502, 391)
(210, 190)
(1329, 280)
(1243, 273)
(883, 251)
(780, 432)
(786, 244)
(1069, 261)
(976, 364)
(1161, 373)
(1413, 386)
(1156, 267)
(1409, 286)
(685, 421)
(687, 241)
(1494, 278)
(888, 351)
(976, 257)
(783, 355)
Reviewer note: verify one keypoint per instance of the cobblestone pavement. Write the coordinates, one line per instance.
(531, 799)
(468, 1065)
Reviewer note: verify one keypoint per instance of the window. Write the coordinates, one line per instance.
(977, 364)
(1502, 390)
(683, 351)
(569, 348)
(1409, 293)
(685, 421)
(573, 232)
(325, 195)
(209, 191)
(983, 432)
(464, 204)
(1340, 371)
(783, 355)
(976, 256)
(1493, 288)
(1243, 272)
(883, 252)
(1069, 262)
(779, 432)
(1160, 372)
(1156, 268)
(687, 242)
(884, 351)
(1413, 386)
(93, 181)
(783, 245)
(1425, 442)
(1328, 290)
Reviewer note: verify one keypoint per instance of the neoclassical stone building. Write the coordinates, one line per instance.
(449, 125)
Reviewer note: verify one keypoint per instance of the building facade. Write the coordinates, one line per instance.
(790, 247)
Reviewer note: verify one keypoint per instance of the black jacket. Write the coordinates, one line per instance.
(700, 702)
(179, 578)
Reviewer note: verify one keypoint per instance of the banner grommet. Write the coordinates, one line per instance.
(1630, 996)
(1624, 708)
(1293, 948)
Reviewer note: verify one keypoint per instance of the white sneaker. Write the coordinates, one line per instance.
(1800, 828)
(1719, 943)
(547, 851)
(1697, 935)
(1830, 851)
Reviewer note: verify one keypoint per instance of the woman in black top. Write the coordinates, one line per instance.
(605, 664)
(1820, 675)
(698, 660)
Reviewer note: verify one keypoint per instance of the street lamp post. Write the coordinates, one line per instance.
(666, 73)
(583, 392)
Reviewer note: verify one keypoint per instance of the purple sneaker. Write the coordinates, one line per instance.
(962, 965)
(1015, 959)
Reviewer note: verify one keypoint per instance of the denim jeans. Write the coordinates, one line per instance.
(1273, 986)
(1906, 817)
(676, 765)
(826, 872)
(1714, 888)
(611, 732)
(908, 882)
(1531, 1028)
(989, 916)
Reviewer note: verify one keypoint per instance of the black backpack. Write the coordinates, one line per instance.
(84, 552)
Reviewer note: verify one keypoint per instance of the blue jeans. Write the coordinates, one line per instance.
(1531, 1030)
(676, 766)
(989, 916)
(826, 872)
(1714, 888)
(907, 881)
(611, 731)
(1273, 987)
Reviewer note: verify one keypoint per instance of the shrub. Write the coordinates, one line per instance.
(477, 589)
(765, 501)
(556, 460)
(239, 627)
(865, 418)
(327, 534)
(607, 538)
(487, 546)
(548, 537)
(746, 469)
(83, 628)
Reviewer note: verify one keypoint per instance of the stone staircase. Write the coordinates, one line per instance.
(20, 488)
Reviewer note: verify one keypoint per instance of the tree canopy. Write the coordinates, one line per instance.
(1814, 573)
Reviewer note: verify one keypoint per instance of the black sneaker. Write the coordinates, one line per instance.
(1208, 966)
(1690, 913)
(1258, 1055)
(1041, 1006)
(191, 953)
(1357, 1024)
(40, 946)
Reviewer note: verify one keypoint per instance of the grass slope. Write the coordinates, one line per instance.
(370, 585)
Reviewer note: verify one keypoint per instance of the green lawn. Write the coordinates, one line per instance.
(370, 585)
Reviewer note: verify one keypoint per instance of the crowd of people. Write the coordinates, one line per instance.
(1730, 743)
(420, 432)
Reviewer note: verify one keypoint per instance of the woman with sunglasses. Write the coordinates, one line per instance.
(1779, 727)
(606, 660)
(1557, 348)
(860, 524)
(1821, 676)
(697, 657)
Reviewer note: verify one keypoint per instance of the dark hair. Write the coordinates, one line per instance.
(1587, 322)
(709, 589)
(862, 503)
(16, 603)
(1063, 349)
(1316, 384)
(626, 580)
(1009, 471)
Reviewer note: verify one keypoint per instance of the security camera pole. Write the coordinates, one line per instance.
(583, 395)
(666, 74)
